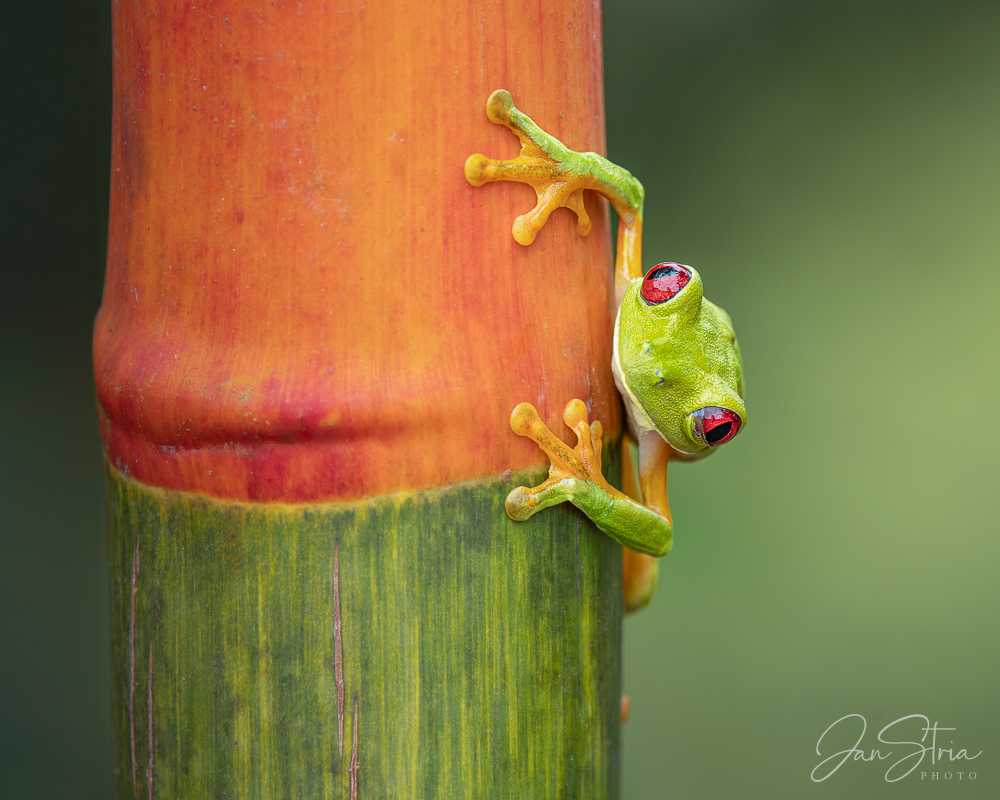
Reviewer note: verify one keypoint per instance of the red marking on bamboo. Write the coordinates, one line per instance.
(253, 415)
(579, 566)
(149, 716)
(355, 766)
(131, 667)
(338, 647)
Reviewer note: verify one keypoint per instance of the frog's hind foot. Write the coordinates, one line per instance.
(626, 707)
(574, 473)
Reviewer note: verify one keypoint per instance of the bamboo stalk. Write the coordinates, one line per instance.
(481, 656)
(313, 332)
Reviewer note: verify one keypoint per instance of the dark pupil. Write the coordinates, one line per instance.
(718, 433)
(663, 283)
(663, 272)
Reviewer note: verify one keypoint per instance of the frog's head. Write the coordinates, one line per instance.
(679, 359)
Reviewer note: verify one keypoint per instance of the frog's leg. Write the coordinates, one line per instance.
(645, 480)
(559, 176)
(575, 475)
(639, 570)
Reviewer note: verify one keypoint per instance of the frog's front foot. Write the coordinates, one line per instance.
(574, 473)
(558, 174)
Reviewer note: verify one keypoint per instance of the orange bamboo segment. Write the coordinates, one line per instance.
(305, 300)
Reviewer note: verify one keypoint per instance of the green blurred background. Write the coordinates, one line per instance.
(832, 170)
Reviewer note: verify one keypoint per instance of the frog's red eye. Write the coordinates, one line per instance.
(664, 281)
(714, 426)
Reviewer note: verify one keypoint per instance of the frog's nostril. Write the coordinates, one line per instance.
(714, 425)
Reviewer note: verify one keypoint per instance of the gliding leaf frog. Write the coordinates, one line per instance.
(676, 362)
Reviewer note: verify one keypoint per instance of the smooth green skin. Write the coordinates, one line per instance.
(674, 358)
(623, 189)
(622, 518)
(670, 359)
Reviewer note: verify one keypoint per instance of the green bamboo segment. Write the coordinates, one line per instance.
(414, 646)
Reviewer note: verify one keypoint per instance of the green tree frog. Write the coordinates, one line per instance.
(676, 362)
